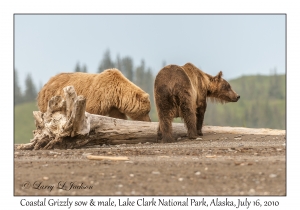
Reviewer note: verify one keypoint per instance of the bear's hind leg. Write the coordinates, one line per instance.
(200, 118)
(189, 117)
(165, 111)
(164, 131)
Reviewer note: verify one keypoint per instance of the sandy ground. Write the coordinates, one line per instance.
(218, 164)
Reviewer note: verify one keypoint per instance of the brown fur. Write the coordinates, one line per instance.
(108, 93)
(182, 91)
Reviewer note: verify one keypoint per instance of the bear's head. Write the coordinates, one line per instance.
(220, 90)
(142, 108)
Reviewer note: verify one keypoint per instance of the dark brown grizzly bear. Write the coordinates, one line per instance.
(182, 91)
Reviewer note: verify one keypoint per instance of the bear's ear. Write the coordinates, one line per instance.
(145, 97)
(218, 76)
(138, 96)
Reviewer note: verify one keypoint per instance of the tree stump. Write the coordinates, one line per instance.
(66, 125)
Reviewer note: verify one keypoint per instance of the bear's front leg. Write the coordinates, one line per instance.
(115, 113)
(200, 117)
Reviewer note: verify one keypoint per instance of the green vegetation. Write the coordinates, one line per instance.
(24, 122)
(262, 104)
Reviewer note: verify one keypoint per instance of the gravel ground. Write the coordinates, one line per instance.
(217, 164)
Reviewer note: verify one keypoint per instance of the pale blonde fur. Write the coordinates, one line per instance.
(107, 93)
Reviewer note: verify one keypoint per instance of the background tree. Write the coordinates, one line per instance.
(30, 89)
(148, 82)
(77, 67)
(275, 84)
(18, 98)
(84, 68)
(139, 75)
(106, 62)
(118, 63)
(80, 69)
(40, 86)
(127, 68)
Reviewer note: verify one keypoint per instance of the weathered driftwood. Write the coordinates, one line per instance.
(65, 125)
(97, 157)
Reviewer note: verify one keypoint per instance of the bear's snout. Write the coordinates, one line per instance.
(236, 98)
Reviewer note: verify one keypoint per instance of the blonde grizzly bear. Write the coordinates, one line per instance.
(182, 91)
(107, 93)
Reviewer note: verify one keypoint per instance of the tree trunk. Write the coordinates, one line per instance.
(66, 125)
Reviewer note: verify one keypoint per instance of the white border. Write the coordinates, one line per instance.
(8, 8)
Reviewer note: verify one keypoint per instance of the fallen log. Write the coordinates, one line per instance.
(66, 125)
